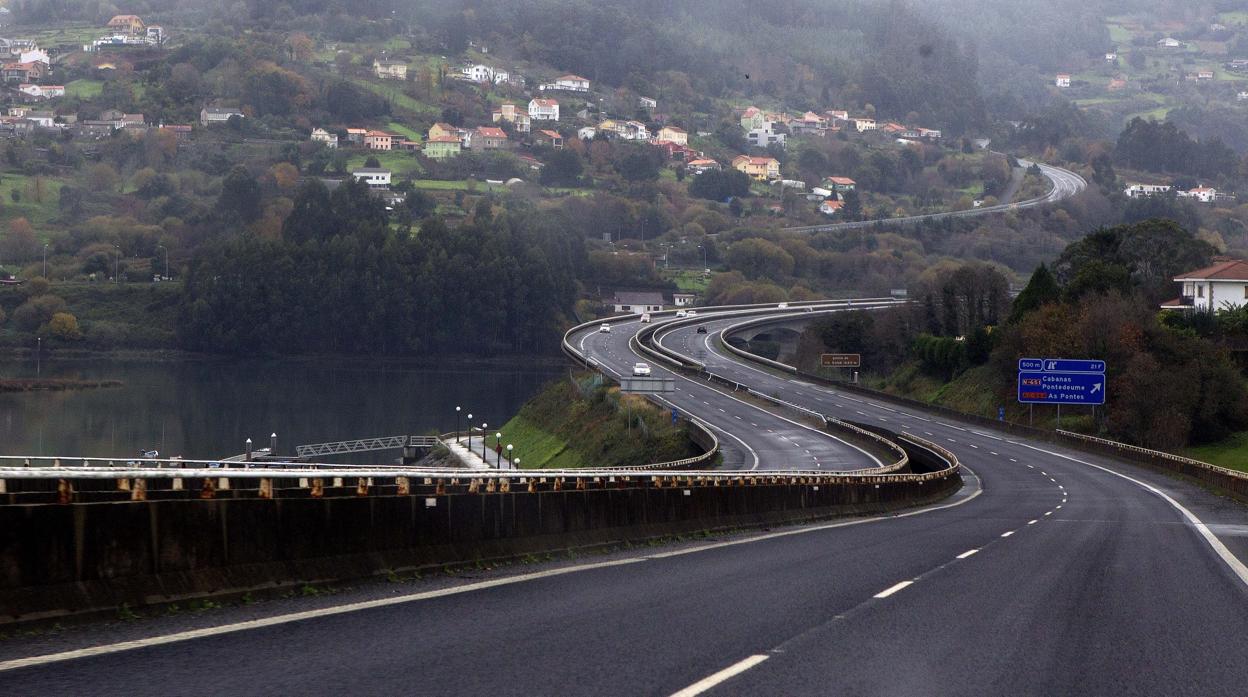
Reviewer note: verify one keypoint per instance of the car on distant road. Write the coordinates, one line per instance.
(691, 313)
(641, 370)
(701, 330)
(605, 328)
(645, 318)
(682, 313)
(783, 306)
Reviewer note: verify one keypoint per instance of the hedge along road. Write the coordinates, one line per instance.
(1060, 578)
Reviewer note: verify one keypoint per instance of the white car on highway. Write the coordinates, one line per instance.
(605, 328)
(641, 370)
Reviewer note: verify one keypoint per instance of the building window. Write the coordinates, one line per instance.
(1200, 291)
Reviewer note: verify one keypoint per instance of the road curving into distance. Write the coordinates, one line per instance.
(1065, 185)
(1051, 572)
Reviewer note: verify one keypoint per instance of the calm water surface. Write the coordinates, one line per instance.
(207, 409)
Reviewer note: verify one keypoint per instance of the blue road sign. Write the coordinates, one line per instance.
(1000, 413)
(1061, 388)
(1061, 365)
(674, 416)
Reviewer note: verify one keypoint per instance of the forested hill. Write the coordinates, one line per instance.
(806, 52)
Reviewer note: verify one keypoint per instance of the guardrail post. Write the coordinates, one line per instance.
(224, 484)
(139, 491)
(176, 484)
(208, 490)
(64, 491)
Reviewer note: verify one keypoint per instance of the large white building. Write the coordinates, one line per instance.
(1135, 190)
(543, 110)
(375, 177)
(1223, 285)
(484, 74)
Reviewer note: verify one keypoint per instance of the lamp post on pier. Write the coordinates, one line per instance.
(509, 463)
(457, 424)
(484, 426)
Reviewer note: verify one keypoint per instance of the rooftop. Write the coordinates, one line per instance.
(1228, 270)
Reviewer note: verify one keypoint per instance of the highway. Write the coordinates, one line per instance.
(1065, 184)
(1051, 572)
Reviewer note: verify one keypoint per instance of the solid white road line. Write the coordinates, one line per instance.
(1007, 534)
(1237, 566)
(1032, 522)
(892, 589)
(726, 674)
(967, 553)
(298, 616)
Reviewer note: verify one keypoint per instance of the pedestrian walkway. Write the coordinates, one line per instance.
(471, 459)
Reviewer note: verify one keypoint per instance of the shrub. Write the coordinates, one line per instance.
(64, 326)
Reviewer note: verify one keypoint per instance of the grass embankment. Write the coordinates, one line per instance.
(1231, 453)
(587, 425)
(978, 392)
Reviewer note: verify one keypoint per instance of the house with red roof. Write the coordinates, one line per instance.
(487, 138)
(1222, 285)
(544, 110)
(549, 137)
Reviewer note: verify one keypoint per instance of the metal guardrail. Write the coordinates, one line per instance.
(1231, 480)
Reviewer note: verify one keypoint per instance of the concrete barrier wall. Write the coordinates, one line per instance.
(65, 559)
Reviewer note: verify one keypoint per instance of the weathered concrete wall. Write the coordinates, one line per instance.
(65, 559)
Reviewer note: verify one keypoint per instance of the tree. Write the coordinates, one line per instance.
(64, 326)
(1041, 290)
(853, 206)
(240, 195)
(719, 186)
(19, 241)
(563, 168)
(372, 162)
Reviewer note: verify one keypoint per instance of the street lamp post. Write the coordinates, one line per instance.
(117, 264)
(517, 464)
(470, 433)
(38, 356)
(484, 426)
(161, 246)
(509, 463)
(457, 424)
(498, 451)
(45, 259)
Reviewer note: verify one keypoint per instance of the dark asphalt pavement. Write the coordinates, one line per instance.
(1060, 578)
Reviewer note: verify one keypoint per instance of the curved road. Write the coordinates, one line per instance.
(1052, 572)
(1065, 184)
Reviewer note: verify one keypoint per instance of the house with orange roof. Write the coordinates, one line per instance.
(759, 168)
(1223, 285)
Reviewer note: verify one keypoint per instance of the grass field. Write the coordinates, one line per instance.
(39, 213)
(84, 89)
(687, 280)
(1118, 33)
(1231, 453)
(457, 185)
(399, 163)
(1230, 18)
(396, 127)
(396, 97)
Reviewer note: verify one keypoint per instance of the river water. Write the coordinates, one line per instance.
(206, 409)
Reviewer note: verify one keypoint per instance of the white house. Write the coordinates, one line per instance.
(636, 303)
(863, 124)
(1170, 43)
(587, 133)
(217, 115)
(543, 110)
(831, 207)
(762, 137)
(42, 91)
(1204, 194)
(375, 177)
(1111, 57)
(1225, 284)
(569, 83)
(390, 70)
(683, 299)
(42, 119)
(1145, 190)
(647, 103)
(484, 74)
(1062, 80)
(320, 135)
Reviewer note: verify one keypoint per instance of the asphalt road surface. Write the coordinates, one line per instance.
(1051, 573)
